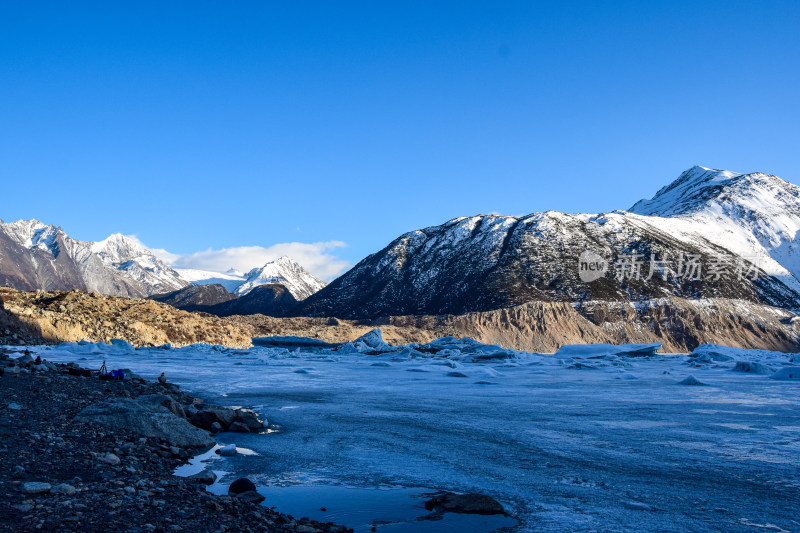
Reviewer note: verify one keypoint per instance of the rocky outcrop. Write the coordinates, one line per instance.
(147, 420)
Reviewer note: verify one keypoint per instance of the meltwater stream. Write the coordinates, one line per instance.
(608, 444)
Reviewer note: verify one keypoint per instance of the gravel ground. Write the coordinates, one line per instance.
(59, 474)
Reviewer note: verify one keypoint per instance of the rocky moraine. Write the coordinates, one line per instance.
(85, 454)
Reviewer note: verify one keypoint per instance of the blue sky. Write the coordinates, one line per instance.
(200, 126)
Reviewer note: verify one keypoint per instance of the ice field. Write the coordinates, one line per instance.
(587, 439)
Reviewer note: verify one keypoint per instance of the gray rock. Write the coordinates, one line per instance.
(155, 422)
(239, 427)
(250, 497)
(110, 459)
(450, 502)
(64, 488)
(216, 427)
(23, 507)
(36, 487)
(249, 418)
(206, 477)
(24, 360)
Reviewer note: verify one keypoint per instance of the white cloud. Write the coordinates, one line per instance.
(315, 257)
(164, 255)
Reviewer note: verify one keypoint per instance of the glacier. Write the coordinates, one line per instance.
(593, 439)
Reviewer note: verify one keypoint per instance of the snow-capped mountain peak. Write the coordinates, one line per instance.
(32, 234)
(284, 271)
(118, 248)
(753, 214)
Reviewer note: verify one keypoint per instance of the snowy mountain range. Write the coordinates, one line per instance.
(34, 255)
(283, 271)
(741, 229)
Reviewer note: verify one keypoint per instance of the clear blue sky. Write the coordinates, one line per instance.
(209, 125)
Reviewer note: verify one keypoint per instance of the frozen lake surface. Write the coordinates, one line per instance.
(577, 441)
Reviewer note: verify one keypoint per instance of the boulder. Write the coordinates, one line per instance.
(450, 502)
(241, 485)
(146, 420)
(204, 418)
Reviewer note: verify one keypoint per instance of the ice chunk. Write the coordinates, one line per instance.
(715, 353)
(292, 342)
(602, 350)
(374, 340)
(691, 380)
(120, 345)
(788, 373)
(752, 368)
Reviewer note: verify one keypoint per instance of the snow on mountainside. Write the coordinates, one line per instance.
(230, 279)
(485, 262)
(34, 255)
(284, 271)
(751, 214)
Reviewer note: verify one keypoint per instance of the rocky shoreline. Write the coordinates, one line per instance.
(85, 454)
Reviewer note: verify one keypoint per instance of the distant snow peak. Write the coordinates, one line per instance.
(284, 271)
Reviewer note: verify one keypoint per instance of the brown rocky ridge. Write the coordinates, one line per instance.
(679, 324)
(59, 316)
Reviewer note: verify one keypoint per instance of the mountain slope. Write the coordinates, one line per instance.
(485, 262)
(269, 299)
(195, 297)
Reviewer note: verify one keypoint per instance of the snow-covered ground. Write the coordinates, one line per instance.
(590, 440)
